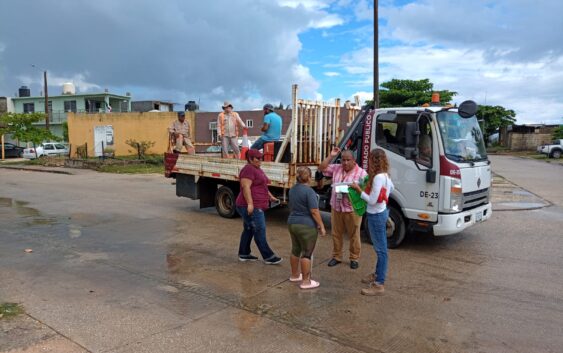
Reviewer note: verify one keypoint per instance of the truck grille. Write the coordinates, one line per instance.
(475, 198)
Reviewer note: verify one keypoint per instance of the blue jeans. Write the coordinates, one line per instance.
(377, 225)
(254, 227)
(259, 144)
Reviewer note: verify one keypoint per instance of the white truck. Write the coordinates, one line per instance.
(443, 193)
(553, 150)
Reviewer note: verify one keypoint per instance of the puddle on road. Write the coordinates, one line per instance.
(31, 215)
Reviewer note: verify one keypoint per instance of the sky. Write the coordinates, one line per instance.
(250, 52)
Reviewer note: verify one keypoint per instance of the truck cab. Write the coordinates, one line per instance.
(438, 163)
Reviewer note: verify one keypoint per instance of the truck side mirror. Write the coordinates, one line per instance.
(411, 140)
(411, 134)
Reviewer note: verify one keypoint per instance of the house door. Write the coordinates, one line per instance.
(103, 138)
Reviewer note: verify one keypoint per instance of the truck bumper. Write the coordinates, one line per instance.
(457, 222)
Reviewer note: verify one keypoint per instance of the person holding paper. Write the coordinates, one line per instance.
(343, 218)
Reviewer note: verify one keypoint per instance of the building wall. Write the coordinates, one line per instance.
(137, 126)
(527, 142)
(6, 105)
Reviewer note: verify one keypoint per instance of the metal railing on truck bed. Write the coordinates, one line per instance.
(313, 131)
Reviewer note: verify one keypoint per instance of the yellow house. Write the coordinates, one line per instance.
(111, 130)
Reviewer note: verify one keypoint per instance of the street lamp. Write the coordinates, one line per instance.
(46, 96)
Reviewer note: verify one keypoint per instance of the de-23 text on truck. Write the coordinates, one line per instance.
(437, 158)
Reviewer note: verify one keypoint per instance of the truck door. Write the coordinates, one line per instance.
(416, 185)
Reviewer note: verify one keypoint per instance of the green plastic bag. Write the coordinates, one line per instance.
(358, 204)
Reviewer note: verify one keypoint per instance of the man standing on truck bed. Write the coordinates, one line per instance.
(180, 134)
(343, 217)
(228, 123)
(271, 130)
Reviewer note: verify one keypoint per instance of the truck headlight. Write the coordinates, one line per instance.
(456, 196)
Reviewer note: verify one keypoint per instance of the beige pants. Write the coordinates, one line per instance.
(349, 223)
(182, 141)
(227, 141)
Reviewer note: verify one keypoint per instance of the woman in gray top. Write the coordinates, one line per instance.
(304, 224)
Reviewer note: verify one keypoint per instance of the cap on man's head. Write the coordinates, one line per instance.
(268, 107)
(181, 114)
(226, 105)
(254, 153)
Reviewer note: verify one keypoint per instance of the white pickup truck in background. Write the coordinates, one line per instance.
(553, 150)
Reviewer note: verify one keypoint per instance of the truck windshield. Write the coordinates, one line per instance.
(462, 138)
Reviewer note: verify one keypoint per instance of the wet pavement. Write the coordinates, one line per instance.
(120, 264)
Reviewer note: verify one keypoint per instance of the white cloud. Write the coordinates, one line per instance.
(175, 50)
(331, 74)
(364, 10)
(327, 21)
(307, 4)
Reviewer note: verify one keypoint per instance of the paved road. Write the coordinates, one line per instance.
(119, 264)
(544, 179)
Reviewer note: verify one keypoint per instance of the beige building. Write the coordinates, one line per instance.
(103, 131)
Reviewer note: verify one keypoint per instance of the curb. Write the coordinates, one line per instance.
(36, 170)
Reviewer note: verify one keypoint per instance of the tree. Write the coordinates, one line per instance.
(409, 93)
(558, 132)
(21, 127)
(495, 117)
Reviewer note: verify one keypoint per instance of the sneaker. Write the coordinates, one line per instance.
(244, 258)
(354, 264)
(369, 278)
(273, 261)
(373, 289)
(333, 262)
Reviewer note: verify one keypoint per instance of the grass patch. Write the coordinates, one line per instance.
(8, 310)
(147, 168)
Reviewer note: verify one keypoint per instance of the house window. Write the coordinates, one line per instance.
(50, 106)
(249, 123)
(213, 125)
(70, 106)
(29, 107)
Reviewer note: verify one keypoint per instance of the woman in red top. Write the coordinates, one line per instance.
(254, 198)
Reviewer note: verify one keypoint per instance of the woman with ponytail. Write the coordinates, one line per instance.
(379, 187)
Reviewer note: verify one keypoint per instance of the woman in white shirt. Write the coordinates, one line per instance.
(376, 195)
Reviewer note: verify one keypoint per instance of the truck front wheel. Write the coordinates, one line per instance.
(396, 228)
(225, 202)
(556, 154)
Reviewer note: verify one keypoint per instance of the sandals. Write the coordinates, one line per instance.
(298, 279)
(314, 284)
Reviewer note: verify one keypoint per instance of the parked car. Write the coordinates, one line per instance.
(11, 150)
(553, 150)
(46, 149)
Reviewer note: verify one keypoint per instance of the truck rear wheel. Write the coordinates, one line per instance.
(225, 202)
(396, 228)
(556, 154)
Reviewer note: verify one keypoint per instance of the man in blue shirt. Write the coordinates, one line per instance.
(271, 130)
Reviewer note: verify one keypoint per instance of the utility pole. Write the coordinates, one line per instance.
(46, 100)
(375, 54)
(46, 97)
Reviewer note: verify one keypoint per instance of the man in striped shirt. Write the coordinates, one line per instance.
(343, 218)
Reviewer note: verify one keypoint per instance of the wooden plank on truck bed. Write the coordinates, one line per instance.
(229, 169)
